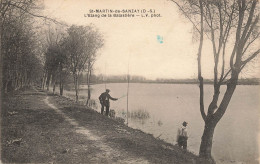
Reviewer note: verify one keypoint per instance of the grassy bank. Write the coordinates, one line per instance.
(32, 132)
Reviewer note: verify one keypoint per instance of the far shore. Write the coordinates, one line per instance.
(176, 82)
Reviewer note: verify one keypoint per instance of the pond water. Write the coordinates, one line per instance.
(168, 105)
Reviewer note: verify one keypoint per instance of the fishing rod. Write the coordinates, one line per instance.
(105, 75)
(127, 93)
(128, 77)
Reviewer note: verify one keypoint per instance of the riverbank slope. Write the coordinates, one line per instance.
(37, 127)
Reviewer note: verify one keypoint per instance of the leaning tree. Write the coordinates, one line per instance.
(225, 23)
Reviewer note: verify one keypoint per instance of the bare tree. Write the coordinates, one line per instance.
(81, 45)
(55, 59)
(95, 42)
(225, 23)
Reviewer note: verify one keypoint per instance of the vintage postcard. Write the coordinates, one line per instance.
(140, 81)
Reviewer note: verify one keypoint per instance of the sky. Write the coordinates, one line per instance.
(132, 44)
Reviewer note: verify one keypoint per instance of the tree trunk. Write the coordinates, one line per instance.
(61, 83)
(76, 86)
(51, 77)
(61, 88)
(89, 93)
(77, 90)
(43, 80)
(206, 141)
(212, 120)
(54, 87)
(53, 80)
(48, 81)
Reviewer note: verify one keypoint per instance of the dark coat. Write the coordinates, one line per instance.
(104, 99)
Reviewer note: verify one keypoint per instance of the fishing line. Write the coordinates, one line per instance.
(122, 96)
(183, 102)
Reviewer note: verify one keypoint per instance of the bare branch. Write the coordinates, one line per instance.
(224, 77)
(216, 54)
(249, 21)
(202, 110)
(39, 16)
(223, 64)
(251, 57)
(241, 11)
(245, 49)
(225, 38)
(228, 27)
(186, 16)
(250, 31)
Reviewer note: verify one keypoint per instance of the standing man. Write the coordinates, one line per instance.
(104, 101)
(182, 136)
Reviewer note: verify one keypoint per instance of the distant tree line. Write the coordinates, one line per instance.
(247, 81)
(96, 79)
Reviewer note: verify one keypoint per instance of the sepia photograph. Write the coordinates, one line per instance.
(130, 82)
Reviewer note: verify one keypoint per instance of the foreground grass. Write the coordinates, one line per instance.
(32, 132)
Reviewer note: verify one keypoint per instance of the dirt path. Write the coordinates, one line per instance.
(106, 151)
